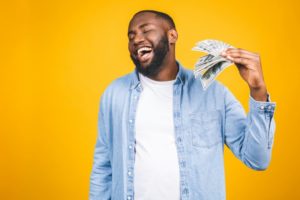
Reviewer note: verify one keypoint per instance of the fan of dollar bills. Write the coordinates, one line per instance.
(212, 64)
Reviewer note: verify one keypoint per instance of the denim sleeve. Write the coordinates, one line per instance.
(101, 176)
(250, 137)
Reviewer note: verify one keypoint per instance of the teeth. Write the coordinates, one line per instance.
(139, 51)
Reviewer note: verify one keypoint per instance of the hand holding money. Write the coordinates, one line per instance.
(249, 66)
(220, 56)
(210, 66)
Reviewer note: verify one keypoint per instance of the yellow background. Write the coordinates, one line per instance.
(57, 57)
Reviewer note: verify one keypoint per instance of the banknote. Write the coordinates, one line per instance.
(208, 67)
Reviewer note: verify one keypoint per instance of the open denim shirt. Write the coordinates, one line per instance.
(204, 121)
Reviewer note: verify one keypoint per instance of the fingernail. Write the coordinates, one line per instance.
(229, 57)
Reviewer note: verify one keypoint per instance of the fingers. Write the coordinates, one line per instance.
(241, 61)
(239, 53)
(240, 56)
(240, 49)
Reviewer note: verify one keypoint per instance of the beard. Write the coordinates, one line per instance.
(159, 54)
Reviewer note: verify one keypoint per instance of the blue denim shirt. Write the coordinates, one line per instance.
(204, 121)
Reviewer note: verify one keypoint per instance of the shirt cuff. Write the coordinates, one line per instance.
(262, 106)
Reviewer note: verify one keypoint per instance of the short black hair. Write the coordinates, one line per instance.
(162, 15)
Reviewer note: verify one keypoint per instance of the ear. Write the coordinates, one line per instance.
(172, 36)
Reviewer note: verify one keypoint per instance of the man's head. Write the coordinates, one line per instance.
(152, 36)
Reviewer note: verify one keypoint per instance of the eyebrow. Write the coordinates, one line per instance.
(140, 26)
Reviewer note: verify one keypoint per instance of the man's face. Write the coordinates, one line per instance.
(148, 43)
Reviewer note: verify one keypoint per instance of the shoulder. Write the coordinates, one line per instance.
(118, 87)
(122, 82)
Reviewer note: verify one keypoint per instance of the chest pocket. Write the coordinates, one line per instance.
(206, 129)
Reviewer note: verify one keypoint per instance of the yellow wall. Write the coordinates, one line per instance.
(57, 57)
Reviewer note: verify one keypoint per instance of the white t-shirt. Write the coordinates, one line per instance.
(156, 175)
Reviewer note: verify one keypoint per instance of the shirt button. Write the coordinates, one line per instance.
(185, 191)
(262, 107)
(182, 163)
(269, 107)
(179, 139)
(135, 97)
(130, 121)
(129, 197)
(129, 173)
(130, 147)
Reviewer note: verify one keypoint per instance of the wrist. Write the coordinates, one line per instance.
(259, 93)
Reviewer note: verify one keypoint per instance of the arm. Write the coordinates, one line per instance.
(101, 176)
(250, 137)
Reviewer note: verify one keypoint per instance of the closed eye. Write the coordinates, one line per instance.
(147, 31)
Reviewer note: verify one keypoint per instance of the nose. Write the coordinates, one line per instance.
(139, 38)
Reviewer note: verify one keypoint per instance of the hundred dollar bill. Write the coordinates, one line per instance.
(208, 67)
(209, 74)
(208, 61)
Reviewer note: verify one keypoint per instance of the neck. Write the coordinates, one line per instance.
(168, 71)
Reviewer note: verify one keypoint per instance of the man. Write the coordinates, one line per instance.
(161, 136)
